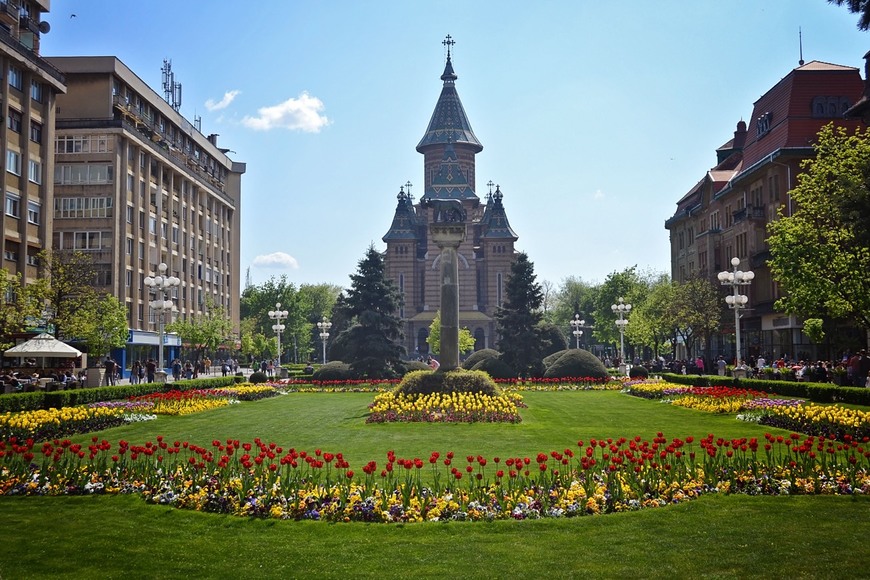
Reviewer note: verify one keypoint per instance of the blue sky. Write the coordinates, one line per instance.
(595, 117)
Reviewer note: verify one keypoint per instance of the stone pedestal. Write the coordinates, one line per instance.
(448, 236)
(159, 376)
(95, 377)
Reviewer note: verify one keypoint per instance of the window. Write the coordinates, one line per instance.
(741, 244)
(13, 162)
(773, 187)
(152, 225)
(15, 77)
(35, 132)
(83, 173)
(762, 124)
(34, 172)
(141, 252)
(14, 120)
(129, 246)
(85, 241)
(128, 278)
(82, 207)
(129, 214)
(36, 91)
(715, 224)
(33, 212)
(67, 144)
(13, 205)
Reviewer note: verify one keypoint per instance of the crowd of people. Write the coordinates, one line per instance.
(852, 369)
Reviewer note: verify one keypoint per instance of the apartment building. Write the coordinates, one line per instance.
(28, 88)
(136, 185)
(725, 215)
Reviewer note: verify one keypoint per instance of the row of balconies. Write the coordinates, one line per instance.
(157, 134)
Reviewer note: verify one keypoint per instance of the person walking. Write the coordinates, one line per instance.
(720, 364)
(151, 369)
(109, 374)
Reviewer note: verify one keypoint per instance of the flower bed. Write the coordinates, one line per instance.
(265, 480)
(182, 402)
(50, 423)
(821, 420)
(445, 408)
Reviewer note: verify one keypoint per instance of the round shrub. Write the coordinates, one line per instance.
(638, 372)
(332, 371)
(576, 362)
(416, 365)
(258, 377)
(453, 381)
(477, 356)
(496, 368)
(550, 359)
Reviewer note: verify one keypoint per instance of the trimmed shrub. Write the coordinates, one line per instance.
(415, 365)
(576, 362)
(332, 371)
(638, 372)
(453, 381)
(551, 358)
(258, 377)
(477, 356)
(496, 368)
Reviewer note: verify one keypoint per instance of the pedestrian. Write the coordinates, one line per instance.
(109, 374)
(720, 363)
(135, 368)
(150, 369)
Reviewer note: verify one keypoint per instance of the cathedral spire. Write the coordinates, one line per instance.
(449, 123)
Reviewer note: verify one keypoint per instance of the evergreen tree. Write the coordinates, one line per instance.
(520, 340)
(370, 344)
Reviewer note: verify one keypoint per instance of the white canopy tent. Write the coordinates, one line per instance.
(43, 345)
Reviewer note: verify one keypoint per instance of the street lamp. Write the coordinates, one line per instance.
(278, 315)
(161, 284)
(577, 324)
(324, 326)
(736, 301)
(621, 308)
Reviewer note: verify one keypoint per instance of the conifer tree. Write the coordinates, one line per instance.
(371, 345)
(520, 340)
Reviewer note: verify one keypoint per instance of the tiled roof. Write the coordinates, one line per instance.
(494, 223)
(819, 65)
(449, 123)
(404, 226)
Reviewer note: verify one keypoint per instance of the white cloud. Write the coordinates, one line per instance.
(300, 114)
(229, 96)
(276, 261)
(598, 194)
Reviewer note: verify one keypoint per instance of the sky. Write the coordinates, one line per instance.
(595, 117)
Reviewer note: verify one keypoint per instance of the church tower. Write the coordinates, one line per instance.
(449, 147)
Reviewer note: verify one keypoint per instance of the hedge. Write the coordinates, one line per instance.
(69, 398)
(816, 392)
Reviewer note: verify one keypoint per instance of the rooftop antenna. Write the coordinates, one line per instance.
(801, 46)
(197, 123)
(171, 89)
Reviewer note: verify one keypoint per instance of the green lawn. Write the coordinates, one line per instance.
(716, 537)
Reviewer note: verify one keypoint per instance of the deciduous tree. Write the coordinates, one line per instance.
(820, 255)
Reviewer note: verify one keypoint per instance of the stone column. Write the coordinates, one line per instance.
(447, 236)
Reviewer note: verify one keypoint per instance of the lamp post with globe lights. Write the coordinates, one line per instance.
(736, 301)
(278, 316)
(324, 326)
(161, 284)
(577, 324)
(621, 309)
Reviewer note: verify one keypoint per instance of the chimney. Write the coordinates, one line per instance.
(213, 139)
(740, 135)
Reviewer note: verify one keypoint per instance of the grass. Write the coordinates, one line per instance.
(336, 422)
(715, 537)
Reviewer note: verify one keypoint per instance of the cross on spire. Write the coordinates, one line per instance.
(490, 184)
(448, 42)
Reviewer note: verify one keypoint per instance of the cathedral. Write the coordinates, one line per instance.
(449, 147)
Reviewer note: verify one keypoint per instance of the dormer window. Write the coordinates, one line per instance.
(762, 124)
(829, 107)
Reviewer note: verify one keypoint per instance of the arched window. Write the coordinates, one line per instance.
(479, 338)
